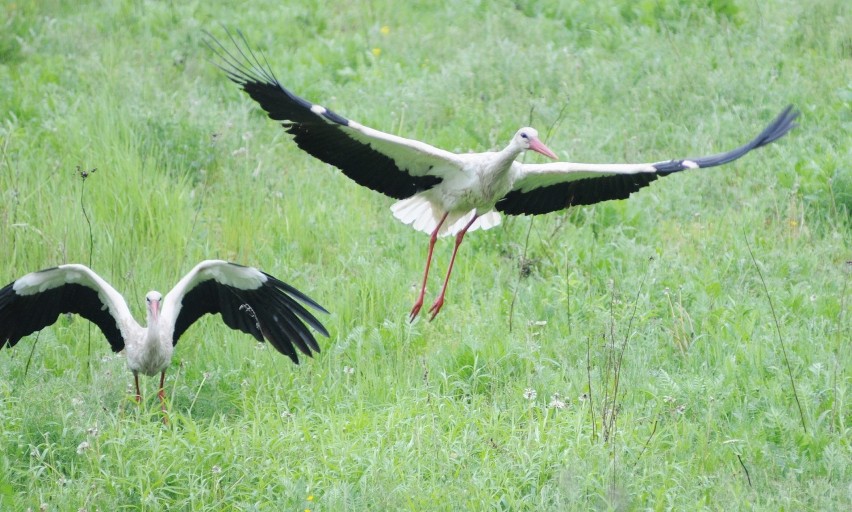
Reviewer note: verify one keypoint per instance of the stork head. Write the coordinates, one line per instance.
(153, 300)
(527, 138)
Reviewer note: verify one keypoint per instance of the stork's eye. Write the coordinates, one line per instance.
(524, 135)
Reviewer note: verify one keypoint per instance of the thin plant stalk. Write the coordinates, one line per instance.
(780, 337)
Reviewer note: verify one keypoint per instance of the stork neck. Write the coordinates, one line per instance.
(154, 321)
(506, 157)
(153, 330)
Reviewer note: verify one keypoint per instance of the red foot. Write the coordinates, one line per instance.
(436, 307)
(415, 310)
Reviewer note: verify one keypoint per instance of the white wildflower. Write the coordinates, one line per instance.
(556, 402)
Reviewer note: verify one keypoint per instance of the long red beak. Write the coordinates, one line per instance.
(155, 309)
(539, 147)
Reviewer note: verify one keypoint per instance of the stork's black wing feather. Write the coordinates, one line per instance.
(272, 312)
(319, 131)
(21, 315)
(573, 193)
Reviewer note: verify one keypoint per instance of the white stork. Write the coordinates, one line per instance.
(248, 299)
(444, 193)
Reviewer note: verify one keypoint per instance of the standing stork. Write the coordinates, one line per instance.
(443, 193)
(248, 299)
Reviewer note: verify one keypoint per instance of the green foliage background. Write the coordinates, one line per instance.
(438, 416)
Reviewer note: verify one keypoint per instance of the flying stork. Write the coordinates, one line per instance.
(444, 193)
(248, 299)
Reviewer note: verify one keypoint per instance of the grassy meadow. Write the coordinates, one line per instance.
(686, 349)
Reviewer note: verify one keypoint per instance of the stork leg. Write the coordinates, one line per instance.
(161, 394)
(138, 391)
(432, 239)
(439, 302)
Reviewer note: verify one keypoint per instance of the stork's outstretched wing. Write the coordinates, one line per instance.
(544, 188)
(395, 166)
(250, 301)
(36, 300)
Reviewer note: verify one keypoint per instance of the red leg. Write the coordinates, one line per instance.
(432, 239)
(439, 302)
(138, 392)
(161, 394)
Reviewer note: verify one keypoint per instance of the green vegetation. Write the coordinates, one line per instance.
(660, 290)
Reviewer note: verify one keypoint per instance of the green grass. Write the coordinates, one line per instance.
(434, 415)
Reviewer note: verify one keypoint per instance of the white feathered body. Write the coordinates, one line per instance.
(474, 186)
(149, 351)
